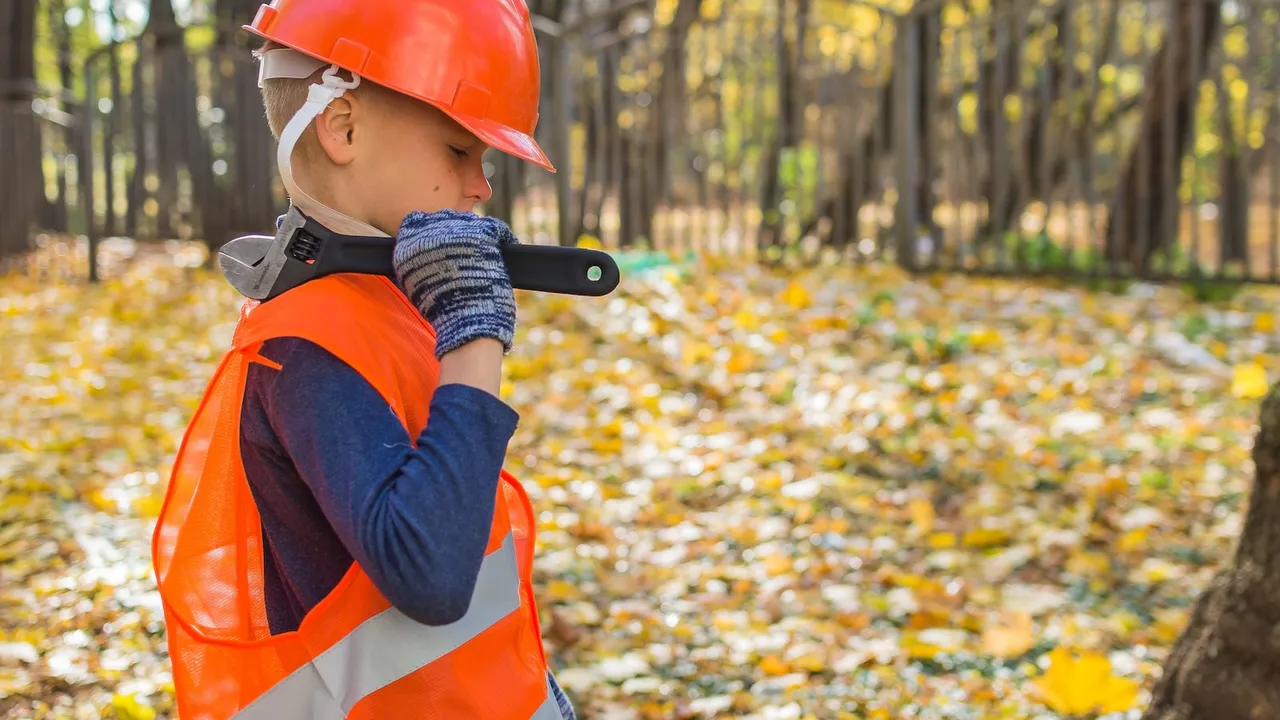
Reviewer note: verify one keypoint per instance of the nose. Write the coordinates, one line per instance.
(478, 189)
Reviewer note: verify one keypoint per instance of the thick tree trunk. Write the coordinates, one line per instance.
(1226, 665)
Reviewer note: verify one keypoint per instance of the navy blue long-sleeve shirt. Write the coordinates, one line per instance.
(337, 479)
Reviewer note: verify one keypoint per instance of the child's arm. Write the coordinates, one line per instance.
(417, 520)
(478, 364)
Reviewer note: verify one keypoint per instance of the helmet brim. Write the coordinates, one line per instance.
(505, 139)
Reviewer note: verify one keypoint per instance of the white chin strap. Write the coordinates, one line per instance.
(285, 63)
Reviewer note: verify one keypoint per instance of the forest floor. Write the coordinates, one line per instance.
(822, 493)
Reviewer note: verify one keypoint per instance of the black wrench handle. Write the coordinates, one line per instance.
(560, 269)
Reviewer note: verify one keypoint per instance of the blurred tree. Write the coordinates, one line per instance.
(180, 141)
(508, 176)
(863, 157)
(252, 149)
(61, 44)
(788, 130)
(21, 177)
(1142, 221)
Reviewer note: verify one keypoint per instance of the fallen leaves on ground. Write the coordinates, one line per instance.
(834, 493)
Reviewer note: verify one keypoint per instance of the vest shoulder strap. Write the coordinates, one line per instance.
(364, 320)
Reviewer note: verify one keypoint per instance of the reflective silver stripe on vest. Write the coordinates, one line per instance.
(389, 646)
(549, 710)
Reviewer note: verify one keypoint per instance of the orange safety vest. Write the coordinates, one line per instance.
(354, 655)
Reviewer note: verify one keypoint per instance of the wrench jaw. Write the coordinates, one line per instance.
(253, 263)
(240, 261)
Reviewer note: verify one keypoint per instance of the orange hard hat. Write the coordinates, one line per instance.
(475, 60)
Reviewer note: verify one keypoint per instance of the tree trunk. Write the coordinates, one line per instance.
(112, 124)
(509, 174)
(1035, 145)
(788, 129)
(180, 138)
(1139, 217)
(62, 44)
(998, 79)
(1226, 663)
(21, 176)
(860, 167)
(668, 115)
(252, 156)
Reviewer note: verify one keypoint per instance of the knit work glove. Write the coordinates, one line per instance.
(450, 266)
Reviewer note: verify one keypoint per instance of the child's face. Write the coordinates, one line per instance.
(392, 155)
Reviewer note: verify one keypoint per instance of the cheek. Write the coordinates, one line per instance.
(418, 173)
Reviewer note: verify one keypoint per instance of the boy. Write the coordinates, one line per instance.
(324, 551)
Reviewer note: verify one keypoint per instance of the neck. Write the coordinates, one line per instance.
(326, 209)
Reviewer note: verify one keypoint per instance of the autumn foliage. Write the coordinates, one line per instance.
(830, 493)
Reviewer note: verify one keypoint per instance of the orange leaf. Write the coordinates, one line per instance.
(1010, 639)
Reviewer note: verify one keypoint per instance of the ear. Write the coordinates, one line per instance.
(336, 128)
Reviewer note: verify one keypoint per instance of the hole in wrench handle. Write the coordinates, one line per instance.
(560, 269)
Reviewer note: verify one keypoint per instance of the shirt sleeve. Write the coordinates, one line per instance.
(416, 519)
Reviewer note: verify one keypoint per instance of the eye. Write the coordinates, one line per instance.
(458, 151)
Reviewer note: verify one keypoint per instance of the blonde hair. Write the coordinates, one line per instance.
(282, 98)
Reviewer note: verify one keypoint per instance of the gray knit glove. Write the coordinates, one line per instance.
(450, 266)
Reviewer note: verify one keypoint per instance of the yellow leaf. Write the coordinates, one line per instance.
(986, 537)
(100, 501)
(922, 515)
(1264, 322)
(1249, 381)
(942, 540)
(127, 707)
(1082, 684)
(1135, 539)
(148, 506)
(796, 296)
(607, 446)
(739, 362)
(774, 665)
(746, 320)
(811, 662)
(1088, 563)
(777, 565)
(561, 590)
(920, 650)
